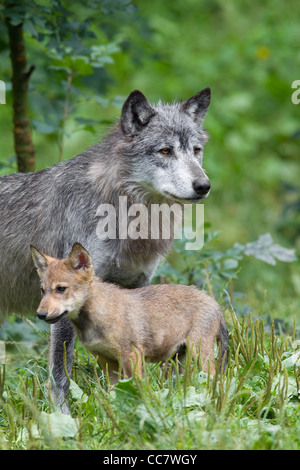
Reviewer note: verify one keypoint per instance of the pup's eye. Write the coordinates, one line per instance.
(60, 289)
(42, 291)
(165, 151)
(197, 150)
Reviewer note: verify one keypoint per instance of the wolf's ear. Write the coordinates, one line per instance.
(79, 258)
(136, 113)
(40, 260)
(197, 106)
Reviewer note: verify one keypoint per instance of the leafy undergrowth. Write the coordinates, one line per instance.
(254, 406)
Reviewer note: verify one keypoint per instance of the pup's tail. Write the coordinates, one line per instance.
(222, 340)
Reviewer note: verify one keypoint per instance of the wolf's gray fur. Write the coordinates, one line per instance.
(56, 207)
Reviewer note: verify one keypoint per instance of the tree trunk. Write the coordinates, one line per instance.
(20, 76)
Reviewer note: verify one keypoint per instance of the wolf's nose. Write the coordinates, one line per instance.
(42, 314)
(201, 187)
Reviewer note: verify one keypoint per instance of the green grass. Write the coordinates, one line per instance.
(254, 406)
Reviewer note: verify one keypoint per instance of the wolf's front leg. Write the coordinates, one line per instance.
(60, 333)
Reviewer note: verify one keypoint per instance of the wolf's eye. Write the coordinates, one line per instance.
(42, 291)
(60, 289)
(165, 151)
(197, 150)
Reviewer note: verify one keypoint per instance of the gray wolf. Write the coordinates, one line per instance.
(153, 154)
(125, 325)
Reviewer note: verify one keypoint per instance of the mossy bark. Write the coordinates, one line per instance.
(20, 76)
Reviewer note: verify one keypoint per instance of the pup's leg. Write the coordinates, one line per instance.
(132, 363)
(109, 367)
(204, 346)
(208, 357)
(60, 333)
(181, 353)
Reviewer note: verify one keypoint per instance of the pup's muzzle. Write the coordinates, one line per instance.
(43, 315)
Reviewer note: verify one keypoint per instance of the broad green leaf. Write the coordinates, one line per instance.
(290, 361)
(59, 424)
(283, 254)
(29, 28)
(151, 417)
(54, 424)
(193, 399)
(195, 416)
(264, 249)
(126, 386)
(44, 127)
(77, 393)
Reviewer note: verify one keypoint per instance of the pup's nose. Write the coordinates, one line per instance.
(201, 187)
(42, 314)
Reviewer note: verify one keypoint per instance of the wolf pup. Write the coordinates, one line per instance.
(152, 155)
(118, 324)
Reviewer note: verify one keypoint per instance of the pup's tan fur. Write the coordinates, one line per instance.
(118, 324)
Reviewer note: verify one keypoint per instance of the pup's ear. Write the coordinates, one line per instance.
(136, 113)
(39, 259)
(197, 106)
(79, 259)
